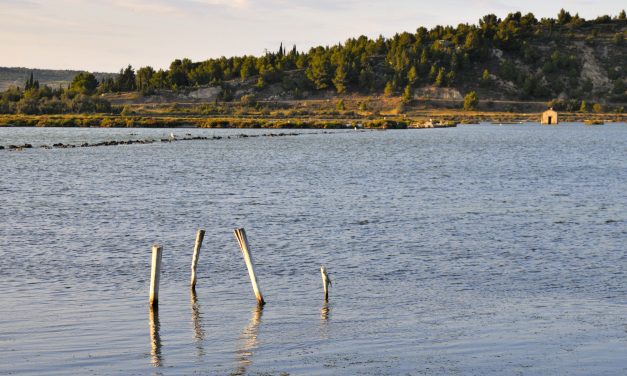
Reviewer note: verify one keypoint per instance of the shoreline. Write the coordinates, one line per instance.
(414, 119)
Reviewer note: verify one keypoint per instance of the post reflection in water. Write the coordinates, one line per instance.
(155, 339)
(199, 333)
(324, 320)
(248, 342)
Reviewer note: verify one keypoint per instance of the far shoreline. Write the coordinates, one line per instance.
(335, 120)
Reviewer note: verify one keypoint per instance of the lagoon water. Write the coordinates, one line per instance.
(479, 250)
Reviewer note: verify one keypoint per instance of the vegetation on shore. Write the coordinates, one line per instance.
(516, 64)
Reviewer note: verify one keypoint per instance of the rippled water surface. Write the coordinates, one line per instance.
(479, 250)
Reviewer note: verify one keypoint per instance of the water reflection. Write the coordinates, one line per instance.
(248, 342)
(324, 320)
(199, 333)
(156, 358)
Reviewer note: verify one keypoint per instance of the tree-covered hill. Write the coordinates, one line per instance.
(565, 60)
(53, 78)
(518, 57)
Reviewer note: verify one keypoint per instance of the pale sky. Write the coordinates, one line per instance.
(100, 35)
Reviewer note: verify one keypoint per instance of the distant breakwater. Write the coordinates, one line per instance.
(188, 137)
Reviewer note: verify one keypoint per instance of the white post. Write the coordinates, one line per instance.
(326, 281)
(200, 235)
(240, 235)
(154, 275)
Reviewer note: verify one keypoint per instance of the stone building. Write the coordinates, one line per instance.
(549, 117)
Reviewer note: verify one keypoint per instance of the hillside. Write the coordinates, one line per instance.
(518, 58)
(517, 63)
(53, 78)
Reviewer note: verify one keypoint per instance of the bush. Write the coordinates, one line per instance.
(126, 111)
(471, 101)
(597, 107)
(248, 100)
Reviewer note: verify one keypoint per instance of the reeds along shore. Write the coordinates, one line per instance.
(340, 121)
(106, 121)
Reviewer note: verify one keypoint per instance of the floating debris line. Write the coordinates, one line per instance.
(149, 141)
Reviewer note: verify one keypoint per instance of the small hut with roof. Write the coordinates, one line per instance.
(549, 117)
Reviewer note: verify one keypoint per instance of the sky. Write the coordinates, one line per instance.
(106, 35)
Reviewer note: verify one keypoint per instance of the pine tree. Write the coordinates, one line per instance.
(281, 50)
(412, 76)
(408, 94)
(30, 83)
(439, 80)
(340, 81)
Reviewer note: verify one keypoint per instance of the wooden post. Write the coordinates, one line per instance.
(240, 235)
(326, 281)
(200, 235)
(154, 275)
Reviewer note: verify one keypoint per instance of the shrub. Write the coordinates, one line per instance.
(470, 101)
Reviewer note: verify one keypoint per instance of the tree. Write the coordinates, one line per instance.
(563, 17)
(319, 69)
(389, 89)
(408, 94)
(584, 107)
(621, 15)
(144, 78)
(29, 82)
(412, 76)
(126, 79)
(340, 80)
(247, 69)
(84, 83)
(177, 75)
(471, 101)
(439, 79)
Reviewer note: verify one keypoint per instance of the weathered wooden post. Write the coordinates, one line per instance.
(240, 235)
(326, 281)
(200, 235)
(154, 275)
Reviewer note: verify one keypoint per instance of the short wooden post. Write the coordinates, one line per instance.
(200, 235)
(240, 235)
(154, 275)
(326, 281)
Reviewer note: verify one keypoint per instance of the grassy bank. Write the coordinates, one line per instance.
(314, 117)
(111, 121)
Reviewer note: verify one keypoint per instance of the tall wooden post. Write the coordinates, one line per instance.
(326, 281)
(240, 235)
(155, 273)
(200, 235)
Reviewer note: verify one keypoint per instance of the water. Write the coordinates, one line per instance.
(479, 250)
